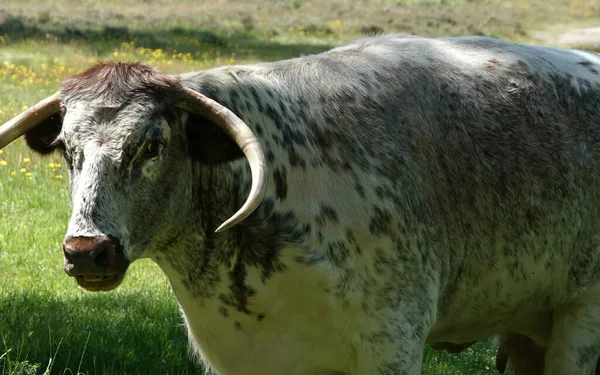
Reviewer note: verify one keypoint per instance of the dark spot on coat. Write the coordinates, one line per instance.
(360, 190)
(380, 221)
(320, 237)
(274, 115)
(295, 159)
(587, 354)
(352, 241)
(281, 187)
(223, 311)
(329, 213)
(337, 252)
(591, 67)
(307, 229)
(239, 289)
(234, 97)
(255, 98)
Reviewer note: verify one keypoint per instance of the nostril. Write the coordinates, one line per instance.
(101, 257)
(85, 255)
(68, 253)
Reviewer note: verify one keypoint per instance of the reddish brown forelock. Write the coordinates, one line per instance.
(116, 82)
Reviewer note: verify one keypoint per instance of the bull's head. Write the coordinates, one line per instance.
(124, 131)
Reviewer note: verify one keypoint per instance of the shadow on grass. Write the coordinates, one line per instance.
(94, 334)
(254, 45)
(113, 333)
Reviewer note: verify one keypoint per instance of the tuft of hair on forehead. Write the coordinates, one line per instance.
(115, 83)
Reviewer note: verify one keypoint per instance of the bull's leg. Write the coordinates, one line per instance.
(395, 347)
(574, 345)
(397, 312)
(382, 354)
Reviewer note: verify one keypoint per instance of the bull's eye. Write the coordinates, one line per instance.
(152, 149)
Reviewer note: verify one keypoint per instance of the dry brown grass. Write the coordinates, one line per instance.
(330, 20)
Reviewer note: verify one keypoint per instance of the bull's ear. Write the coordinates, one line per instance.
(41, 138)
(207, 143)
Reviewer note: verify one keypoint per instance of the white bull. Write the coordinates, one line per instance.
(401, 191)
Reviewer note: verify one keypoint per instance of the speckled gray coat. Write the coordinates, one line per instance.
(420, 191)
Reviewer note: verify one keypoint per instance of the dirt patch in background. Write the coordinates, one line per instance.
(578, 35)
(585, 38)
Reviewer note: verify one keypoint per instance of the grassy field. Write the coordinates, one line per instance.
(50, 326)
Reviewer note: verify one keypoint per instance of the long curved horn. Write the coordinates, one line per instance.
(243, 136)
(29, 119)
(193, 102)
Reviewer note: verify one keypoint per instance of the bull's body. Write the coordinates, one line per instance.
(419, 191)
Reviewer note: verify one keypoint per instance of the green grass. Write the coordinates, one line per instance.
(45, 319)
(48, 325)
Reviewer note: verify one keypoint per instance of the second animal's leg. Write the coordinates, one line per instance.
(524, 355)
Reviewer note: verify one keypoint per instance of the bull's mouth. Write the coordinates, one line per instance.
(96, 263)
(100, 283)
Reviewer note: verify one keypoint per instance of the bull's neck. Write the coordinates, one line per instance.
(218, 192)
(192, 254)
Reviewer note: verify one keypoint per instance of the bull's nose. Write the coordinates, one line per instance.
(88, 256)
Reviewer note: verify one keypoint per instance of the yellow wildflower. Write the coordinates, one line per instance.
(22, 170)
(25, 107)
(27, 160)
(13, 173)
(1, 152)
(58, 177)
(3, 163)
(487, 368)
(52, 165)
(28, 174)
